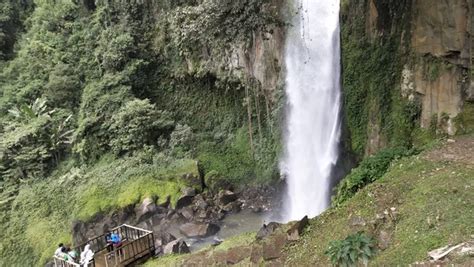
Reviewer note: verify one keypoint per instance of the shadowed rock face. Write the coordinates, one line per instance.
(441, 28)
(444, 95)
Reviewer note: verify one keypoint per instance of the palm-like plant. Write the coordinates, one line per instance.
(26, 113)
(61, 136)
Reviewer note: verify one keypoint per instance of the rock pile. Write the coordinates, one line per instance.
(195, 215)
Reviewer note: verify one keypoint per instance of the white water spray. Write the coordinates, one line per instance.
(313, 104)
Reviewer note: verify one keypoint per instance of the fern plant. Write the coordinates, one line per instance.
(356, 248)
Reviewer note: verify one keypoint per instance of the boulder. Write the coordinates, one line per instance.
(237, 254)
(272, 249)
(257, 199)
(257, 254)
(203, 214)
(170, 213)
(200, 203)
(156, 219)
(232, 207)
(267, 230)
(225, 197)
(161, 240)
(176, 246)
(166, 238)
(187, 213)
(184, 201)
(146, 209)
(297, 229)
(189, 191)
(199, 229)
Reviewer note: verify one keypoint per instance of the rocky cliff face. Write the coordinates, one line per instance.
(442, 29)
(255, 61)
(416, 54)
(427, 47)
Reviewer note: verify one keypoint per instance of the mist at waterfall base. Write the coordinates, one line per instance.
(312, 133)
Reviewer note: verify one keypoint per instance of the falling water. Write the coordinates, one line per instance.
(313, 103)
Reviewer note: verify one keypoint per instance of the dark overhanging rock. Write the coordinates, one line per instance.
(296, 230)
(184, 201)
(225, 197)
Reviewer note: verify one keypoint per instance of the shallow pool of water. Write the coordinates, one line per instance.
(231, 225)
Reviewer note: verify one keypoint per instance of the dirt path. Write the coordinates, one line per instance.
(459, 150)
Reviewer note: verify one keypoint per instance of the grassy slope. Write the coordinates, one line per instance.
(432, 193)
(433, 196)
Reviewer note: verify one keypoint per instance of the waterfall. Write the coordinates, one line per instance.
(312, 59)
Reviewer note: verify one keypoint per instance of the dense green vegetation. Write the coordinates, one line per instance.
(105, 103)
(100, 99)
(465, 120)
(372, 70)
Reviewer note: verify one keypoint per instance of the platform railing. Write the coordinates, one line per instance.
(137, 243)
(133, 250)
(58, 262)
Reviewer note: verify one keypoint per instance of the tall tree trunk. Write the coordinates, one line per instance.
(257, 108)
(249, 115)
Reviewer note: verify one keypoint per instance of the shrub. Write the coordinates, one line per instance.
(350, 251)
(181, 139)
(136, 124)
(369, 170)
(115, 49)
(63, 87)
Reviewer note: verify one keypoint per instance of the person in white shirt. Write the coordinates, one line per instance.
(60, 250)
(86, 256)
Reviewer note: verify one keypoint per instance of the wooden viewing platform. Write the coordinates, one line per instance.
(137, 244)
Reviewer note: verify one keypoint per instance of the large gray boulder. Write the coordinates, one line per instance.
(161, 240)
(146, 209)
(176, 246)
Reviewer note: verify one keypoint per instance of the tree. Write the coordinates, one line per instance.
(137, 124)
